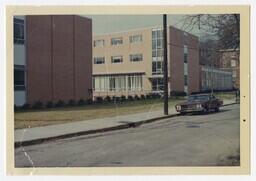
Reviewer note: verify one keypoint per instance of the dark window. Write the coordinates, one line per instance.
(99, 60)
(116, 59)
(185, 58)
(185, 80)
(116, 41)
(18, 31)
(136, 57)
(19, 78)
(112, 84)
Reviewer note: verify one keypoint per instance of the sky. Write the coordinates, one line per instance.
(104, 24)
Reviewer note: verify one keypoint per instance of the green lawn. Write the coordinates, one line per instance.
(43, 117)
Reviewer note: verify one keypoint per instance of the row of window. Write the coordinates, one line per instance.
(118, 41)
(118, 83)
(118, 59)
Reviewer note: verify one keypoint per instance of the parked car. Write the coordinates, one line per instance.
(199, 103)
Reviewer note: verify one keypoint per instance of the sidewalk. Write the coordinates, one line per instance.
(40, 134)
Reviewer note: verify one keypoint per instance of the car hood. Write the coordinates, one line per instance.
(191, 103)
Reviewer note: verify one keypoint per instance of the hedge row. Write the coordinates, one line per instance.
(51, 104)
(61, 103)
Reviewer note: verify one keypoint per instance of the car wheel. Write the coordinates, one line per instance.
(182, 113)
(217, 109)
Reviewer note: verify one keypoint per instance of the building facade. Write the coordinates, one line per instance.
(131, 63)
(215, 79)
(52, 58)
(229, 61)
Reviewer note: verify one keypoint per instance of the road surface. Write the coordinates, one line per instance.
(190, 140)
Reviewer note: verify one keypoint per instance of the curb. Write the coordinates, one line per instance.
(119, 127)
(69, 135)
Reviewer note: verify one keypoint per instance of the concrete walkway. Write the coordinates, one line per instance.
(39, 134)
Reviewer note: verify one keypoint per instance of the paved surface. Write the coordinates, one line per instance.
(22, 135)
(191, 140)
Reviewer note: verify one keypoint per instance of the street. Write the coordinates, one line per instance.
(190, 140)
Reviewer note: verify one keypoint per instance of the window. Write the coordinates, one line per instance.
(116, 59)
(185, 58)
(135, 38)
(157, 67)
(185, 49)
(136, 57)
(185, 38)
(99, 43)
(233, 63)
(18, 31)
(116, 41)
(185, 80)
(157, 43)
(19, 77)
(234, 73)
(99, 60)
(134, 82)
(157, 84)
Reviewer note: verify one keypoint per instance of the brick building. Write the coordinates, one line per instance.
(131, 62)
(52, 58)
(229, 61)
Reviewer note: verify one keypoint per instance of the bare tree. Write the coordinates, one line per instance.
(224, 27)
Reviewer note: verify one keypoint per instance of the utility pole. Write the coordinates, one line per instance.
(165, 65)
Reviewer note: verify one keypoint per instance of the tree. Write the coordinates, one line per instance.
(224, 27)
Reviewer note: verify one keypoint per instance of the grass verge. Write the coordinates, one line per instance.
(44, 117)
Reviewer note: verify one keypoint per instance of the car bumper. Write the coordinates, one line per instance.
(190, 110)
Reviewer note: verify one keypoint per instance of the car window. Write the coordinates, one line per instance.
(198, 98)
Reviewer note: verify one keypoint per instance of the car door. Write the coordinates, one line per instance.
(213, 102)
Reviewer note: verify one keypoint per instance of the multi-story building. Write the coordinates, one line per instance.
(52, 58)
(131, 63)
(229, 61)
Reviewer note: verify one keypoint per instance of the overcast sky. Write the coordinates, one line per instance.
(104, 24)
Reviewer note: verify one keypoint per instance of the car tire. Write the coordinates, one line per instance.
(217, 109)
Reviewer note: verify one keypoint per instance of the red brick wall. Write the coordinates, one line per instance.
(38, 58)
(176, 59)
(59, 54)
(193, 64)
(62, 41)
(83, 59)
(176, 46)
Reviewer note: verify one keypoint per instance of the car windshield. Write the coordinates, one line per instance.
(198, 98)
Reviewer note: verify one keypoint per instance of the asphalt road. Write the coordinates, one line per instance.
(191, 140)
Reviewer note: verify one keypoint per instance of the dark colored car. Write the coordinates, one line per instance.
(199, 103)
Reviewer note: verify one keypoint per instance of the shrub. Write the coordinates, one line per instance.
(116, 99)
(148, 96)
(99, 99)
(71, 102)
(89, 101)
(37, 105)
(81, 102)
(123, 98)
(136, 97)
(155, 95)
(25, 106)
(107, 99)
(60, 103)
(49, 104)
(142, 96)
(178, 93)
(130, 98)
(16, 108)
